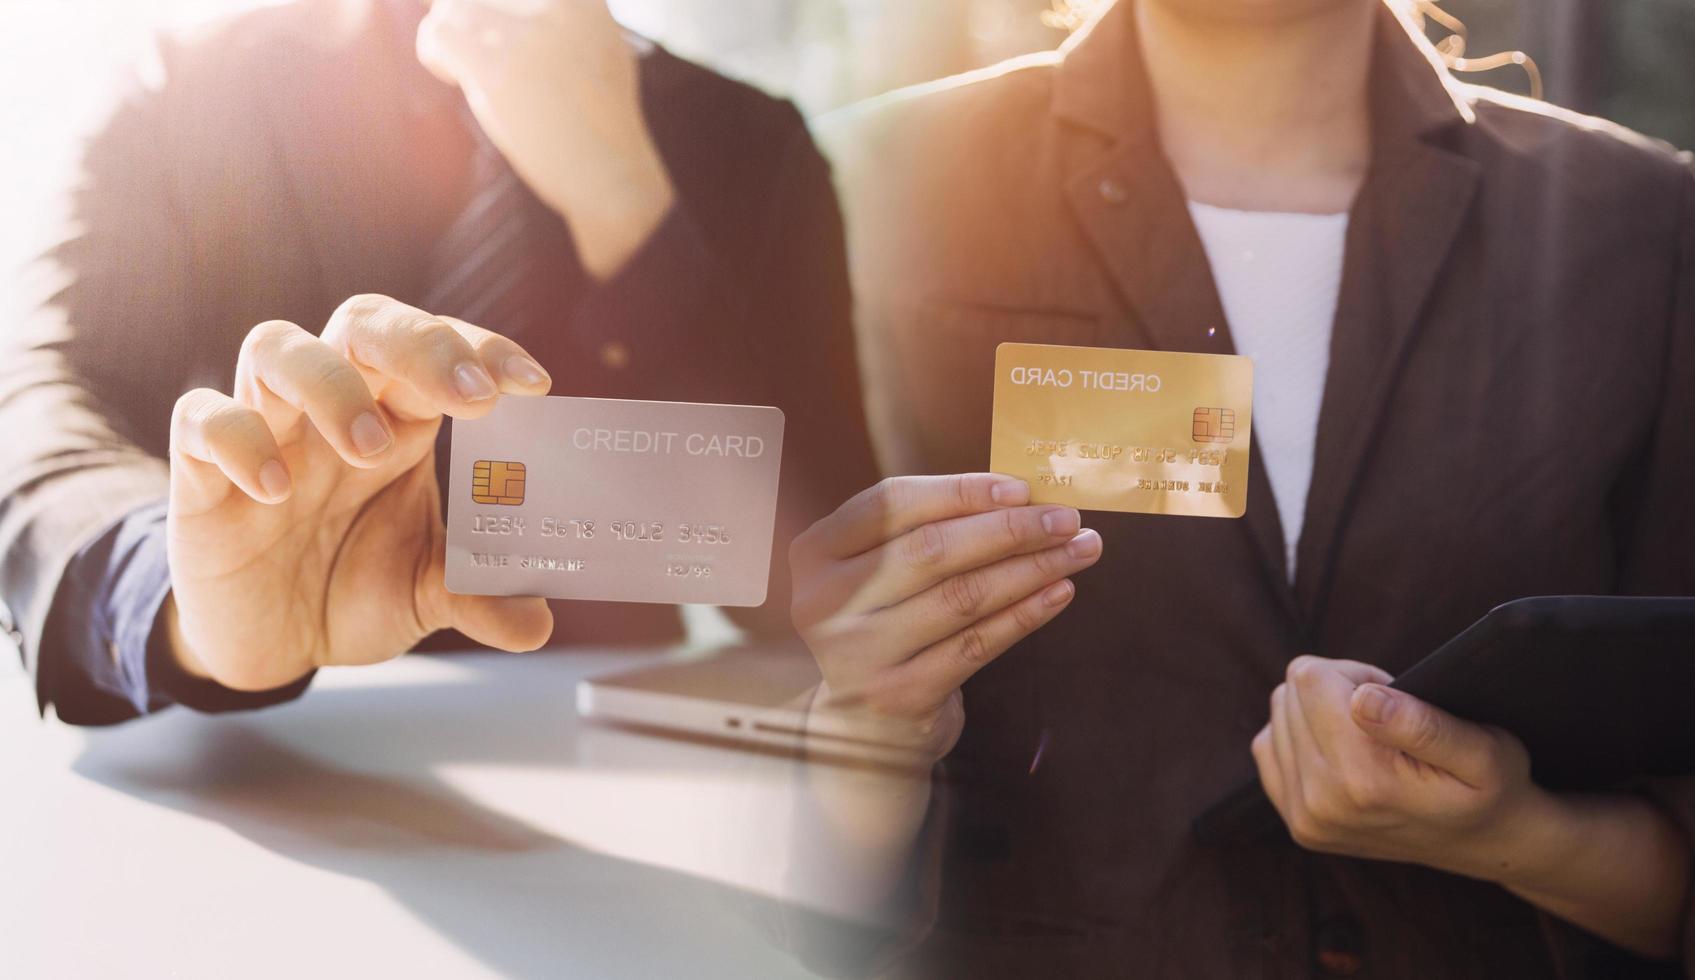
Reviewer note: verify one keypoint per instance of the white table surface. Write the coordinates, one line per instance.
(440, 816)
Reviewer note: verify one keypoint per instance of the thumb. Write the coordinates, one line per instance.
(511, 623)
(1423, 731)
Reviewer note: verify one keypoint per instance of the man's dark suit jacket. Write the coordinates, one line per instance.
(1510, 411)
(300, 155)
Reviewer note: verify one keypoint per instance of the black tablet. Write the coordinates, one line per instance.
(1601, 690)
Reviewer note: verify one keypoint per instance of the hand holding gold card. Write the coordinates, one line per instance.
(1145, 432)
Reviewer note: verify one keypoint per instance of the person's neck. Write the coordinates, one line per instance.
(1263, 116)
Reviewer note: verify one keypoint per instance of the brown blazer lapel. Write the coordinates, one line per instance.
(1404, 224)
(1134, 213)
(1131, 209)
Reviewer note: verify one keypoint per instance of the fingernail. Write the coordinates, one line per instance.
(1010, 493)
(1085, 545)
(524, 371)
(1062, 521)
(473, 382)
(370, 436)
(273, 479)
(1374, 704)
(1059, 593)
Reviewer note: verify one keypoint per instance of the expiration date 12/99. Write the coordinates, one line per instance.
(588, 530)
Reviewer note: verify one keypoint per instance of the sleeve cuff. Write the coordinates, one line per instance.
(139, 581)
(178, 687)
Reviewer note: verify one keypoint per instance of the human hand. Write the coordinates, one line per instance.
(914, 585)
(304, 522)
(1356, 768)
(555, 86)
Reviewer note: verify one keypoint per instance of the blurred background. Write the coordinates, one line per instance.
(1629, 60)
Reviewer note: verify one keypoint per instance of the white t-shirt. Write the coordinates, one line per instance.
(1278, 276)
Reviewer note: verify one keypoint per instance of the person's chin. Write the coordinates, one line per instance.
(1226, 12)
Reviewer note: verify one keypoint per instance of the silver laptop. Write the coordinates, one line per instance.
(749, 695)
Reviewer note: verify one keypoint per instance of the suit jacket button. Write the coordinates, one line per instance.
(1113, 191)
(1340, 947)
(614, 355)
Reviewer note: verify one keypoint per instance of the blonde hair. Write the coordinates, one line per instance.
(1452, 46)
(1069, 15)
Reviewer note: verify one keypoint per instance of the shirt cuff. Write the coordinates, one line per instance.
(129, 570)
(207, 696)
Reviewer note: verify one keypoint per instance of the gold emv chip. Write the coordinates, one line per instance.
(496, 482)
(1214, 425)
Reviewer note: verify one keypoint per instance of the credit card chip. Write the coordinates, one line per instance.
(497, 482)
(1214, 425)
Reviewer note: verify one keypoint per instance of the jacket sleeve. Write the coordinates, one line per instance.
(108, 663)
(98, 341)
(71, 390)
(1659, 557)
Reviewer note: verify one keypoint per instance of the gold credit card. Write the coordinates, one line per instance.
(1140, 431)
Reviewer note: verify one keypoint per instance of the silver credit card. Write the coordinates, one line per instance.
(627, 501)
